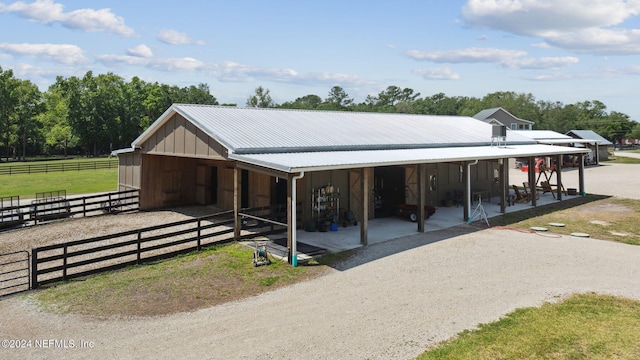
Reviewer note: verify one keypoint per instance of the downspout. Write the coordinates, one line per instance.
(294, 256)
(468, 180)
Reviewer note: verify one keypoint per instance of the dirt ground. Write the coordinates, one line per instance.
(388, 301)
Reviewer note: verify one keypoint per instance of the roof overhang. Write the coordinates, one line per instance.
(567, 141)
(340, 160)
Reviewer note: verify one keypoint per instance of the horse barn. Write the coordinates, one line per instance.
(324, 165)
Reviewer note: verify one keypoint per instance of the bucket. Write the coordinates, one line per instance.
(334, 227)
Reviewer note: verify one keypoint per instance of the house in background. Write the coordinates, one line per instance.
(500, 116)
(598, 145)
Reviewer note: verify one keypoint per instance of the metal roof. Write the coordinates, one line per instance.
(541, 134)
(590, 135)
(256, 131)
(487, 114)
(298, 140)
(337, 160)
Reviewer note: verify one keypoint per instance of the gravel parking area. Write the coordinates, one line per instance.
(390, 300)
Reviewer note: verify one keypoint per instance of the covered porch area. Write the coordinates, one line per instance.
(311, 244)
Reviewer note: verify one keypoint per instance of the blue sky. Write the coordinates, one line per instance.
(557, 50)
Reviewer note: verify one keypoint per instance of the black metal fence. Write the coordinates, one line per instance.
(55, 205)
(57, 167)
(80, 258)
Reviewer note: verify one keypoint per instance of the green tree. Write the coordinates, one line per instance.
(260, 99)
(338, 99)
(9, 98)
(307, 102)
(29, 106)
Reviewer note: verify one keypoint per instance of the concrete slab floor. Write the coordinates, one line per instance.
(388, 228)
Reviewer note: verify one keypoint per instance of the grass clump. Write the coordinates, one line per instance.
(213, 276)
(584, 326)
(74, 182)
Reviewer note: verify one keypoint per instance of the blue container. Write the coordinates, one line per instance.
(334, 227)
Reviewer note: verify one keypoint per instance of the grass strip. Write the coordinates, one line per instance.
(584, 326)
(74, 182)
(213, 276)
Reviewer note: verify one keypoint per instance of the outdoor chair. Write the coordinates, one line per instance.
(527, 188)
(546, 187)
(520, 198)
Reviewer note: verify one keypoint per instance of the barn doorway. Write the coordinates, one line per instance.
(213, 187)
(279, 192)
(388, 190)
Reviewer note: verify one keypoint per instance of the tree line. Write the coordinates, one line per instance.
(93, 115)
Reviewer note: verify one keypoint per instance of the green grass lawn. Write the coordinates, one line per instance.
(74, 182)
(622, 160)
(585, 326)
(39, 161)
(216, 275)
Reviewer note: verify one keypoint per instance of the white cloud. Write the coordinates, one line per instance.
(441, 73)
(598, 41)
(90, 20)
(62, 53)
(541, 63)
(470, 55)
(141, 50)
(172, 37)
(178, 64)
(513, 59)
(578, 25)
(163, 64)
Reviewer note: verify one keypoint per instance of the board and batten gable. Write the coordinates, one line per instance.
(179, 137)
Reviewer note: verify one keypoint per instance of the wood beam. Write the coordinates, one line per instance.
(237, 202)
(365, 178)
(422, 195)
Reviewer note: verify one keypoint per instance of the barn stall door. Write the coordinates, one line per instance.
(411, 185)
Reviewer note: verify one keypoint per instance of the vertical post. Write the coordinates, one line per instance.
(559, 176)
(199, 233)
(364, 225)
(34, 268)
(581, 175)
(237, 202)
(503, 180)
(422, 194)
(84, 207)
(64, 263)
(291, 208)
(139, 247)
(467, 191)
(532, 183)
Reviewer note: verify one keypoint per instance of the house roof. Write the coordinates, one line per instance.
(487, 114)
(589, 135)
(299, 140)
(541, 134)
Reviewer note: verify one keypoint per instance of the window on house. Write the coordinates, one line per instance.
(514, 126)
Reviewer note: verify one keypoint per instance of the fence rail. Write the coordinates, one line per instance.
(57, 167)
(80, 258)
(14, 272)
(56, 206)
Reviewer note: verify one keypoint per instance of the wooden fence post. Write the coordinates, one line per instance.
(64, 264)
(198, 236)
(139, 246)
(34, 268)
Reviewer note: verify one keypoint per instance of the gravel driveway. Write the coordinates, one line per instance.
(390, 301)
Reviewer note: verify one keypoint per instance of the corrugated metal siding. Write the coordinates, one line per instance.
(249, 130)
